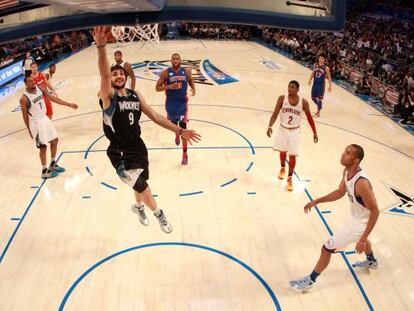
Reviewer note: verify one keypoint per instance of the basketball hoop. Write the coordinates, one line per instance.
(141, 33)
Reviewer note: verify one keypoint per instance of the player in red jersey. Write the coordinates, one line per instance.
(44, 84)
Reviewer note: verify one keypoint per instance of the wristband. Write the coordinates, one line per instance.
(100, 46)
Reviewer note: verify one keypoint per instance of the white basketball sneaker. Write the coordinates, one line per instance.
(164, 224)
(365, 265)
(302, 285)
(140, 211)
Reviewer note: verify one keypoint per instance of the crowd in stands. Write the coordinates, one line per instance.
(45, 47)
(378, 47)
(215, 31)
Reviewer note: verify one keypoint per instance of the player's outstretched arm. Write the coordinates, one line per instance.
(275, 113)
(25, 115)
(190, 135)
(310, 119)
(57, 100)
(333, 196)
(364, 190)
(100, 36)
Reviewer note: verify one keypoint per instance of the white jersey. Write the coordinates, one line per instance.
(290, 116)
(36, 107)
(358, 210)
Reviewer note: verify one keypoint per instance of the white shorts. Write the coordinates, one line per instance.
(287, 140)
(43, 131)
(349, 233)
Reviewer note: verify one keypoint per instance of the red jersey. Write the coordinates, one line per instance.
(40, 80)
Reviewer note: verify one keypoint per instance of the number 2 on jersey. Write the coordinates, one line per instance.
(131, 118)
(290, 120)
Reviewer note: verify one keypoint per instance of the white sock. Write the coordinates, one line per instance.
(157, 212)
(44, 167)
(139, 205)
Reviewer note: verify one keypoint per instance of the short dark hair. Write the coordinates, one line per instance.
(118, 67)
(359, 151)
(295, 83)
(34, 63)
(26, 77)
(323, 55)
(52, 64)
(118, 52)
(175, 54)
(27, 73)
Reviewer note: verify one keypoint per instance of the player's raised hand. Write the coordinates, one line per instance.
(309, 206)
(269, 132)
(100, 34)
(73, 106)
(191, 136)
(315, 138)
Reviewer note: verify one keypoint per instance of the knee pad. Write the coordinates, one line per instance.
(140, 185)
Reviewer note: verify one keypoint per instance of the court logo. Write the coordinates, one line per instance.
(203, 71)
(404, 206)
(216, 74)
(270, 64)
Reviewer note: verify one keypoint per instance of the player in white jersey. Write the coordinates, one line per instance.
(40, 127)
(287, 139)
(128, 68)
(364, 215)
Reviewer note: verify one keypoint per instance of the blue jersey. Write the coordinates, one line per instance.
(319, 74)
(179, 95)
(176, 102)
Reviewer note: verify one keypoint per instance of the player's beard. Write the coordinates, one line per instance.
(176, 67)
(118, 87)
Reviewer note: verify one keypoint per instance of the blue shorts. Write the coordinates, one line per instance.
(177, 111)
(318, 90)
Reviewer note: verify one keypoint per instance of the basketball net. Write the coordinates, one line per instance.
(140, 33)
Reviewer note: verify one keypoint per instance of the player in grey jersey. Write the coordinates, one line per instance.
(127, 152)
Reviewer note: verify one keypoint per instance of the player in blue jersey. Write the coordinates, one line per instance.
(174, 81)
(319, 74)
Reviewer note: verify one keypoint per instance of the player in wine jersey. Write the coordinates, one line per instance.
(51, 72)
(127, 152)
(364, 215)
(131, 80)
(44, 84)
(319, 73)
(287, 140)
(174, 81)
(40, 128)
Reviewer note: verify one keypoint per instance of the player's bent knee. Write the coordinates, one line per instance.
(140, 185)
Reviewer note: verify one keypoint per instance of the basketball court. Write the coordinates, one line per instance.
(238, 236)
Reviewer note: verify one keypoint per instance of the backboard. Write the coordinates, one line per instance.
(58, 15)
